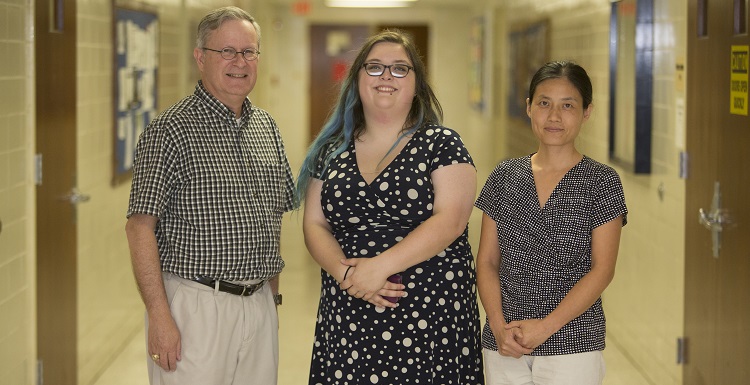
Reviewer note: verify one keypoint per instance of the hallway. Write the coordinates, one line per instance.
(297, 319)
(645, 304)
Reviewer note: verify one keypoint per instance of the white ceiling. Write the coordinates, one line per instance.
(421, 3)
(536, 6)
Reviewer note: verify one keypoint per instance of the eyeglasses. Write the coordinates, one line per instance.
(230, 53)
(397, 70)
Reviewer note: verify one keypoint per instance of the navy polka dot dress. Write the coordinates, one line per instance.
(433, 336)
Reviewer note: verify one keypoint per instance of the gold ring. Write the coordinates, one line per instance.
(155, 357)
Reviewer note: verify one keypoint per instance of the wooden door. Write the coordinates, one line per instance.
(420, 35)
(55, 45)
(332, 51)
(717, 288)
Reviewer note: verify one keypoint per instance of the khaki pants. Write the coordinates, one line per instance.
(226, 339)
(566, 369)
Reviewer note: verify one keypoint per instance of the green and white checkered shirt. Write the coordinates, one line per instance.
(219, 187)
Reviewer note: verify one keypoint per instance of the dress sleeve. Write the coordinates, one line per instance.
(320, 165)
(609, 199)
(448, 148)
(489, 194)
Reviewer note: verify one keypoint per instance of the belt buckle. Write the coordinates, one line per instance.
(251, 288)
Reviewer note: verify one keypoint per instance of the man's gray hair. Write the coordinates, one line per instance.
(215, 18)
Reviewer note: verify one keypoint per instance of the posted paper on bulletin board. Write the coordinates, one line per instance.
(739, 77)
(136, 66)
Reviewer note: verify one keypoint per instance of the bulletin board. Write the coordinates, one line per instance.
(529, 50)
(136, 54)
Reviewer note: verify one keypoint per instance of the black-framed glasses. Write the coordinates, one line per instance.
(397, 70)
(230, 53)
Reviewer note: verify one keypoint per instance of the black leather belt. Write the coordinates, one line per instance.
(229, 287)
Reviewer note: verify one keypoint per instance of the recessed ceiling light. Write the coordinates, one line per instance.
(370, 3)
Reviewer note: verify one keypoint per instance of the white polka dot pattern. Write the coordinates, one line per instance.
(433, 337)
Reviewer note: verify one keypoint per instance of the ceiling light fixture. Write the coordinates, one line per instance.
(369, 3)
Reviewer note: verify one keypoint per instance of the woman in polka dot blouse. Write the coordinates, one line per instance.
(388, 192)
(550, 234)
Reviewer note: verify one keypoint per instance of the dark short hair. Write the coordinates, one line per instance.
(564, 69)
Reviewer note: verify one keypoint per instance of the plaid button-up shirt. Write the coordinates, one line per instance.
(219, 186)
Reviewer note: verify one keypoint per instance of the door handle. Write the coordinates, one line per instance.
(716, 220)
(75, 197)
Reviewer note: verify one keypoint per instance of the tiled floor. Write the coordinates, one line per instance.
(300, 282)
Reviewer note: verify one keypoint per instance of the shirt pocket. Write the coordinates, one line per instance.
(269, 185)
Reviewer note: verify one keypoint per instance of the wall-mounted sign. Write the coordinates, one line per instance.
(739, 77)
(136, 63)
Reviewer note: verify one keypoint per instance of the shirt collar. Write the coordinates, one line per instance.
(219, 107)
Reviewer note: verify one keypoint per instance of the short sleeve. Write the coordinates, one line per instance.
(609, 199)
(155, 171)
(320, 162)
(448, 148)
(489, 193)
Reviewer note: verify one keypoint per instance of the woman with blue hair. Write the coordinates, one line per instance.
(388, 193)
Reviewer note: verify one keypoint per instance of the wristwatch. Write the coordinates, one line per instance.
(277, 299)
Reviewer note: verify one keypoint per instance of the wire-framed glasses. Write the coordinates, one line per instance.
(229, 53)
(397, 70)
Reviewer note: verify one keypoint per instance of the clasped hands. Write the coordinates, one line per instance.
(363, 279)
(518, 338)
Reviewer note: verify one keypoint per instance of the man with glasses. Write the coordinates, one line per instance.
(211, 181)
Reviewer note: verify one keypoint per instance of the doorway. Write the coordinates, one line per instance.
(332, 50)
(55, 37)
(717, 263)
